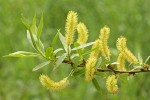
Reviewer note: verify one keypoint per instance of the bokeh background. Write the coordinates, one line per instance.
(130, 18)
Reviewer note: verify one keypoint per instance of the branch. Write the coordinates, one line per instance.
(111, 69)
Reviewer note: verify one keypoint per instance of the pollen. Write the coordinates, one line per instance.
(71, 25)
(52, 85)
(82, 33)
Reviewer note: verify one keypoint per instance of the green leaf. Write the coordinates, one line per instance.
(62, 39)
(57, 50)
(25, 21)
(41, 65)
(74, 55)
(88, 52)
(60, 59)
(33, 26)
(147, 59)
(140, 58)
(79, 51)
(95, 83)
(40, 27)
(49, 52)
(99, 62)
(29, 38)
(79, 72)
(55, 38)
(83, 46)
(41, 46)
(22, 54)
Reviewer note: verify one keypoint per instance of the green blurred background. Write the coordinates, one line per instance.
(130, 18)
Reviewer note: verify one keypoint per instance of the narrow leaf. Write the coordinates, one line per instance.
(41, 65)
(40, 27)
(74, 55)
(33, 26)
(79, 72)
(83, 46)
(60, 59)
(55, 38)
(95, 83)
(49, 52)
(22, 54)
(57, 50)
(99, 62)
(147, 59)
(62, 39)
(25, 21)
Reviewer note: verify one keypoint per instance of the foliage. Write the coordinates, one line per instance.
(70, 52)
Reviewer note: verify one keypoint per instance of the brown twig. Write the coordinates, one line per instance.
(111, 69)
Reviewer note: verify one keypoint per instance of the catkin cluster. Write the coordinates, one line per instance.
(52, 85)
(125, 52)
(71, 25)
(111, 84)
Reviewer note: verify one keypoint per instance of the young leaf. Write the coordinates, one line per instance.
(55, 38)
(25, 22)
(49, 52)
(33, 26)
(147, 59)
(62, 39)
(40, 27)
(22, 54)
(60, 59)
(99, 62)
(74, 55)
(79, 72)
(57, 50)
(95, 83)
(83, 46)
(41, 65)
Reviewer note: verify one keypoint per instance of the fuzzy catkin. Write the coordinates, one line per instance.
(90, 69)
(52, 85)
(104, 35)
(121, 46)
(71, 24)
(82, 33)
(91, 62)
(121, 61)
(111, 84)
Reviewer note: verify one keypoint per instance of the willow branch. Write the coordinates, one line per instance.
(111, 69)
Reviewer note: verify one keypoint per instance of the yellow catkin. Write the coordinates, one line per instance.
(52, 85)
(82, 33)
(121, 46)
(104, 35)
(121, 61)
(96, 51)
(91, 62)
(111, 84)
(90, 69)
(71, 24)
